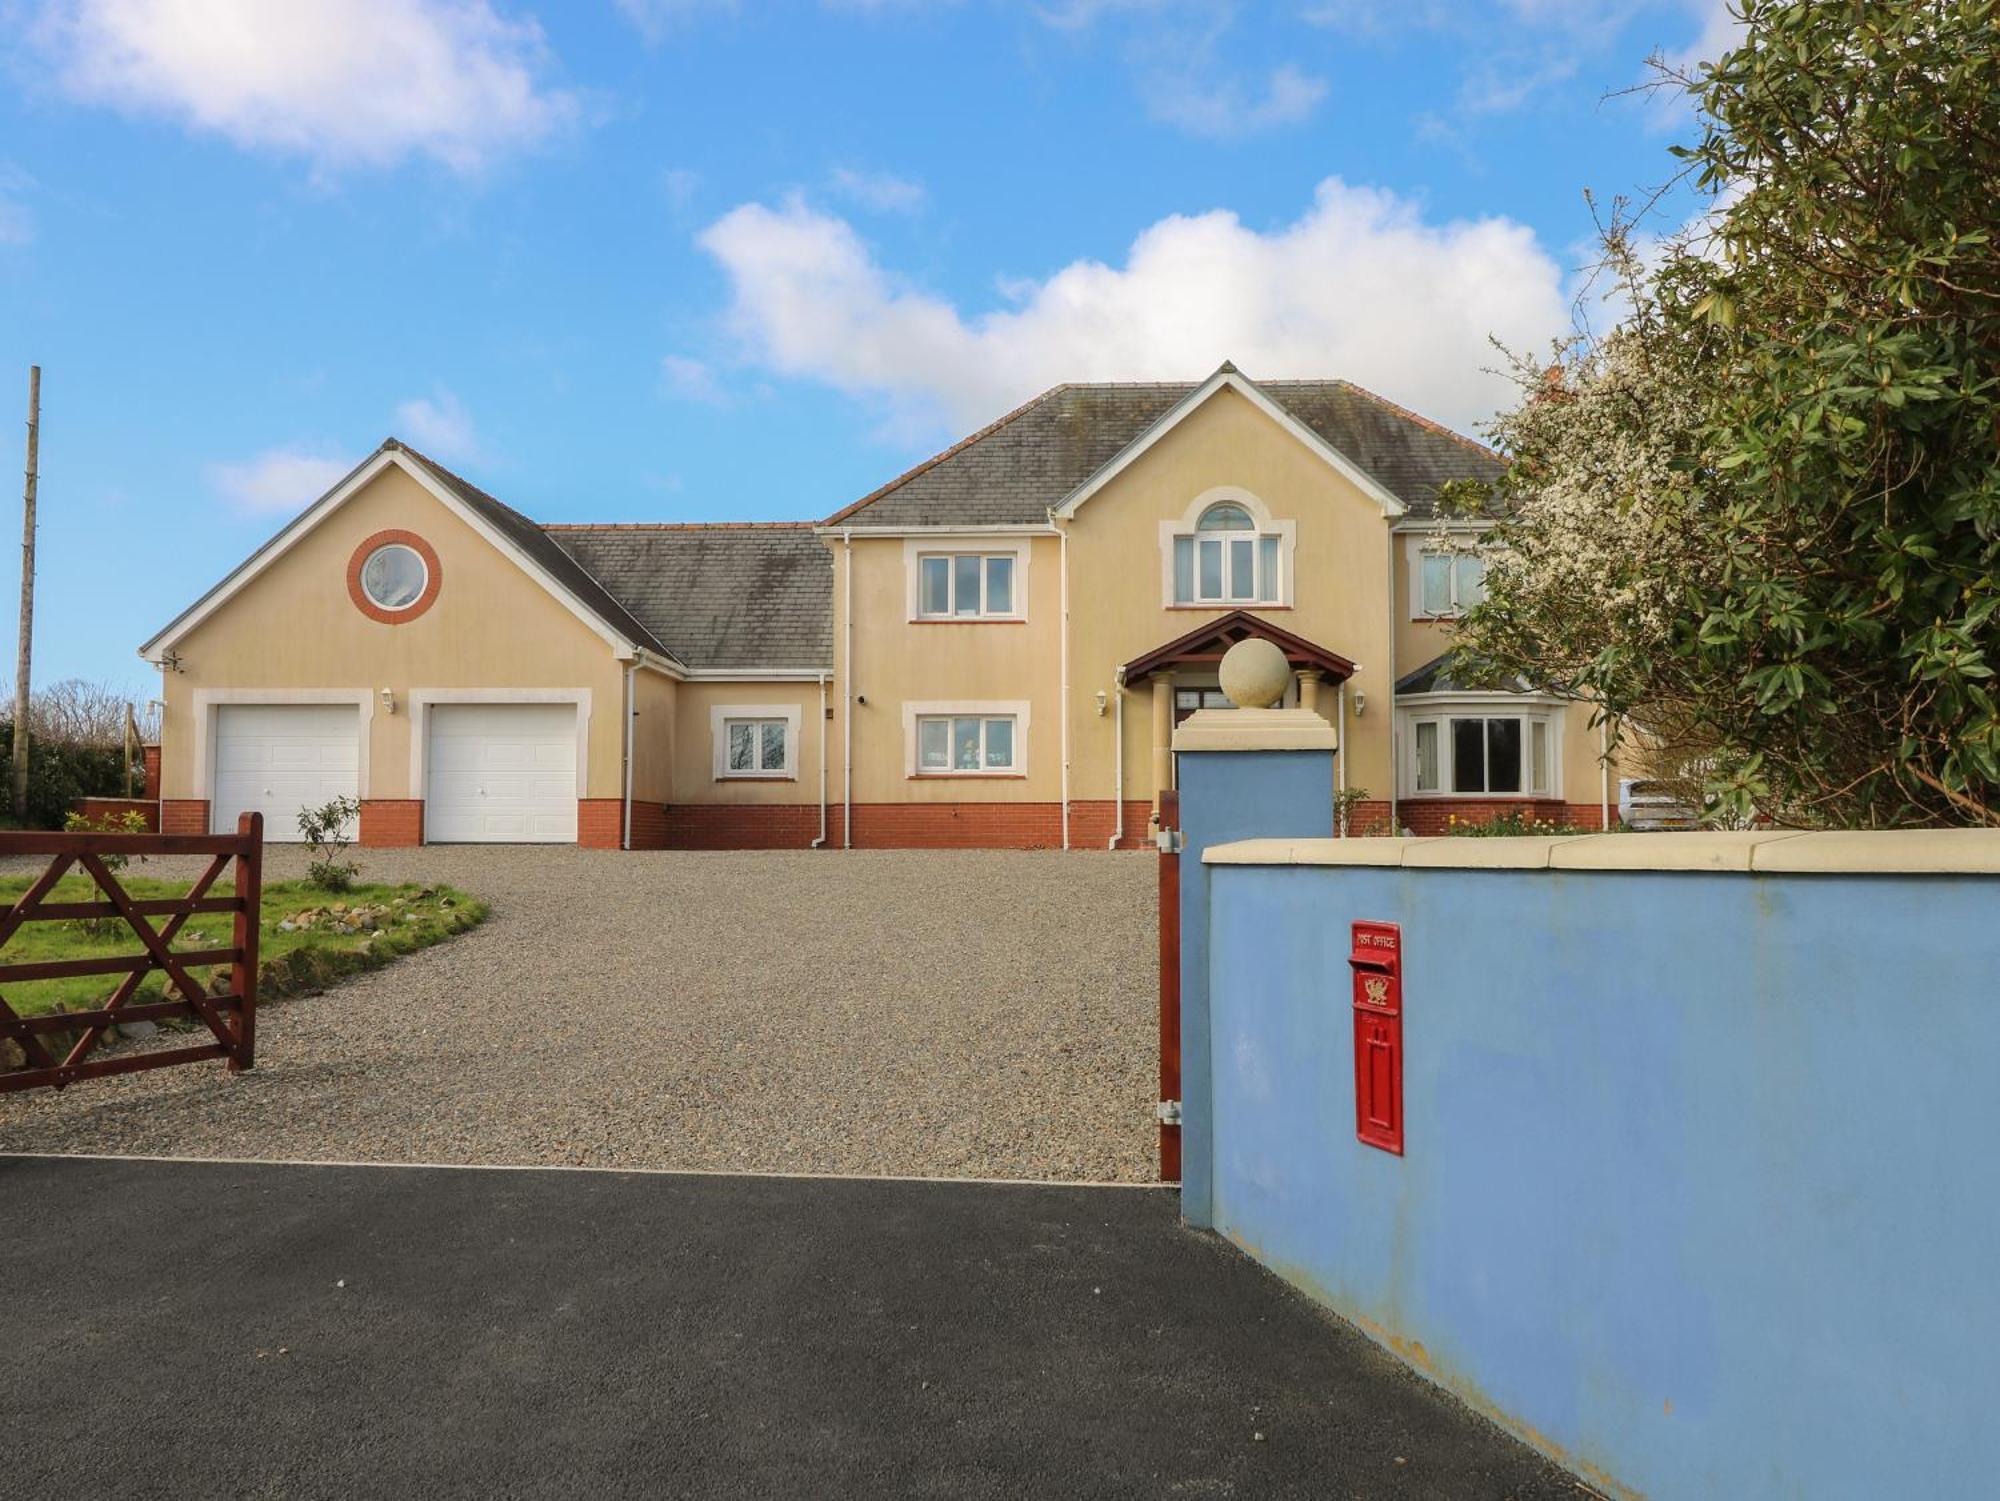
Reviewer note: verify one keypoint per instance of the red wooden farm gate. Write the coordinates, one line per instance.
(231, 1018)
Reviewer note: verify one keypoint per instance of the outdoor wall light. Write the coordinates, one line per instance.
(388, 701)
(1100, 703)
(1360, 704)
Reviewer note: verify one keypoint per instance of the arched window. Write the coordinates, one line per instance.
(1226, 560)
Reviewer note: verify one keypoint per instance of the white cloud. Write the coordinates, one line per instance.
(441, 428)
(881, 191)
(340, 82)
(1227, 110)
(690, 379)
(655, 19)
(17, 220)
(278, 480)
(1361, 285)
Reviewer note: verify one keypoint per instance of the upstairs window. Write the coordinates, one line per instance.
(1449, 583)
(966, 586)
(1227, 560)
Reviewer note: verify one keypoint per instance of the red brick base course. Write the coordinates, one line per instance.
(600, 823)
(100, 809)
(1433, 816)
(391, 823)
(184, 815)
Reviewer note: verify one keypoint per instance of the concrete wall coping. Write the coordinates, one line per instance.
(1256, 730)
(1856, 852)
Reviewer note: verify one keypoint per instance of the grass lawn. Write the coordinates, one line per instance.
(310, 937)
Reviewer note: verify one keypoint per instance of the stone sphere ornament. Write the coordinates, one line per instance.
(1255, 674)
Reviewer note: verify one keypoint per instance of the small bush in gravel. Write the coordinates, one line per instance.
(325, 829)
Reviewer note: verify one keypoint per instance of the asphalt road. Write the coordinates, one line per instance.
(209, 1329)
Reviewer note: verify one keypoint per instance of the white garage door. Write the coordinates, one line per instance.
(501, 774)
(275, 759)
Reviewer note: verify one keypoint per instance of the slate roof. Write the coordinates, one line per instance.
(1012, 472)
(732, 594)
(533, 541)
(1444, 674)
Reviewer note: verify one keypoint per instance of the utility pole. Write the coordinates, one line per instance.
(27, 596)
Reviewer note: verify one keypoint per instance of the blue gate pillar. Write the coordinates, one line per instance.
(1242, 774)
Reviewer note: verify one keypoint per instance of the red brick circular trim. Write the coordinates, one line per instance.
(433, 577)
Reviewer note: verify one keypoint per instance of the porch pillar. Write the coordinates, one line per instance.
(1309, 688)
(1163, 737)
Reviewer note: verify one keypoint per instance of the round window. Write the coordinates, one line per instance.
(394, 576)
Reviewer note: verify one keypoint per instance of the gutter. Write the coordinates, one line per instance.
(847, 697)
(1118, 757)
(820, 843)
(1395, 623)
(631, 714)
(1065, 687)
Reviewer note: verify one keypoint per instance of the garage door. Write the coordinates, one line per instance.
(501, 774)
(275, 759)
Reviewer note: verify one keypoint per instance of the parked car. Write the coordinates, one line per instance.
(1650, 807)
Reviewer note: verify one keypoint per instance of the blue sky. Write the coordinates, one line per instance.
(694, 260)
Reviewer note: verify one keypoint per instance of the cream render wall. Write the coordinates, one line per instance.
(694, 779)
(1419, 641)
(898, 661)
(294, 627)
(1340, 571)
(655, 735)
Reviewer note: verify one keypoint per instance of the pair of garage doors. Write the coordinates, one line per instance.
(495, 773)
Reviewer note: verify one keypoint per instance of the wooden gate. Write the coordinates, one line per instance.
(1170, 987)
(231, 1017)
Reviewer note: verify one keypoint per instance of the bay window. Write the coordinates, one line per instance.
(1482, 754)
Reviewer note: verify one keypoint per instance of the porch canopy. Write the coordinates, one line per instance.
(1203, 647)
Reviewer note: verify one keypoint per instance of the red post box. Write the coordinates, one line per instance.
(1375, 954)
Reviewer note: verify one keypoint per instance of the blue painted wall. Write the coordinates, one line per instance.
(1703, 1176)
(1228, 795)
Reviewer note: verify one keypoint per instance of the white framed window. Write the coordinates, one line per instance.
(1226, 550)
(1446, 584)
(1479, 752)
(967, 579)
(394, 576)
(965, 585)
(755, 741)
(966, 739)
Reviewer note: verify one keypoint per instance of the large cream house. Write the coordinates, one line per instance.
(992, 649)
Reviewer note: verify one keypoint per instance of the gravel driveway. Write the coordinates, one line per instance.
(948, 1013)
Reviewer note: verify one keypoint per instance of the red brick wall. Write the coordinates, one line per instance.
(600, 822)
(149, 758)
(745, 826)
(184, 815)
(1091, 824)
(391, 823)
(1434, 815)
(650, 826)
(724, 826)
(98, 809)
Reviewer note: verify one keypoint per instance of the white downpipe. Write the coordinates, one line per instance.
(847, 695)
(1604, 767)
(631, 714)
(1118, 757)
(1395, 757)
(1340, 751)
(821, 841)
(1065, 687)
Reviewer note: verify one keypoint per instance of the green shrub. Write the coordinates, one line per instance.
(325, 829)
(58, 775)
